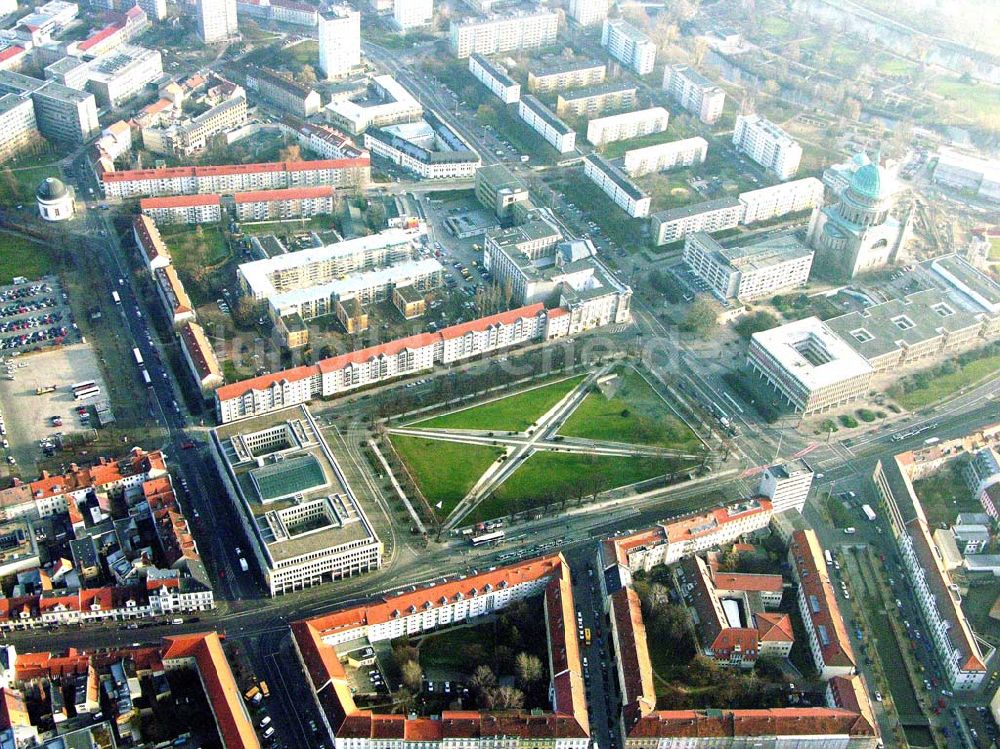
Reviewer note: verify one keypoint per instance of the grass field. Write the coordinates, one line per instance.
(619, 147)
(21, 257)
(189, 249)
(25, 174)
(941, 387)
(976, 101)
(446, 649)
(994, 248)
(549, 474)
(635, 414)
(281, 228)
(944, 495)
(591, 200)
(895, 66)
(513, 413)
(977, 604)
(777, 27)
(444, 471)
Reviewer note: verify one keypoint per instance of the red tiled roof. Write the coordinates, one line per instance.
(100, 36)
(151, 242)
(171, 283)
(787, 721)
(633, 655)
(223, 693)
(226, 169)
(294, 193)
(748, 582)
(10, 52)
(774, 627)
(199, 349)
(810, 567)
(176, 201)
(238, 389)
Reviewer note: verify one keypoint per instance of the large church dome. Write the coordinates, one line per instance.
(871, 182)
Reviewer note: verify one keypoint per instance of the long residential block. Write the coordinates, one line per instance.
(565, 74)
(183, 209)
(591, 101)
(495, 78)
(628, 45)
(627, 125)
(503, 33)
(625, 193)
(767, 144)
(542, 120)
(277, 205)
(781, 200)
(712, 215)
(664, 156)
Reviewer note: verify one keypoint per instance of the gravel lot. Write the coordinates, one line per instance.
(27, 416)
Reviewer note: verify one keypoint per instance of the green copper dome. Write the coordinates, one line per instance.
(867, 182)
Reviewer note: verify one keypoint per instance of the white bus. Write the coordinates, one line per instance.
(117, 299)
(829, 558)
(146, 378)
(85, 385)
(868, 511)
(83, 395)
(138, 356)
(489, 539)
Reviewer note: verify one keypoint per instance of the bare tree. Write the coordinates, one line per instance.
(528, 669)
(412, 675)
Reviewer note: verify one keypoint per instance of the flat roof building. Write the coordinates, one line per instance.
(674, 224)
(503, 33)
(628, 45)
(664, 156)
(387, 103)
(561, 74)
(617, 185)
(591, 101)
(62, 114)
(543, 121)
(495, 78)
(694, 92)
(339, 31)
(780, 200)
(627, 125)
(767, 144)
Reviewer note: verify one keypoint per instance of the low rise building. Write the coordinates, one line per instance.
(499, 190)
(780, 200)
(543, 121)
(674, 224)
(191, 136)
(200, 358)
(275, 205)
(628, 45)
(664, 156)
(809, 366)
(387, 103)
(151, 245)
(176, 303)
(969, 174)
(767, 144)
(320, 139)
(746, 272)
(561, 74)
(428, 149)
(694, 92)
(303, 520)
(957, 648)
(283, 91)
(625, 193)
(495, 78)
(410, 302)
(982, 475)
(829, 643)
(627, 125)
(591, 101)
(183, 209)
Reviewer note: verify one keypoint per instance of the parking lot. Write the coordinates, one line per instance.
(34, 316)
(28, 416)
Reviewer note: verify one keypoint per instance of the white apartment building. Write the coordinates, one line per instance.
(543, 121)
(781, 200)
(503, 33)
(829, 642)
(566, 74)
(339, 41)
(18, 128)
(183, 209)
(627, 125)
(217, 20)
(412, 14)
(625, 193)
(323, 140)
(809, 365)
(283, 11)
(200, 358)
(674, 224)
(694, 92)
(395, 104)
(122, 74)
(628, 45)
(659, 158)
(767, 144)
(227, 179)
(748, 272)
(495, 79)
(192, 136)
(588, 12)
(278, 205)
(787, 485)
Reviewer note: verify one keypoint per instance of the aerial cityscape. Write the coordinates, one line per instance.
(499, 374)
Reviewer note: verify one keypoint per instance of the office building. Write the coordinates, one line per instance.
(500, 191)
(780, 200)
(623, 192)
(543, 121)
(321, 139)
(829, 643)
(279, 205)
(408, 15)
(561, 74)
(191, 136)
(18, 128)
(747, 272)
(45, 22)
(304, 522)
(428, 149)
(63, 114)
(694, 92)
(938, 601)
(787, 485)
(809, 366)
(538, 266)
(503, 33)
(339, 41)
(664, 156)
(767, 144)
(183, 209)
(858, 233)
(232, 178)
(281, 90)
(123, 74)
(627, 125)
(387, 102)
(588, 12)
(200, 358)
(674, 224)
(217, 20)
(592, 101)
(566, 725)
(628, 45)
(495, 78)
(968, 174)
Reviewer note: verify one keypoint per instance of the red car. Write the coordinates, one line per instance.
(187, 445)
